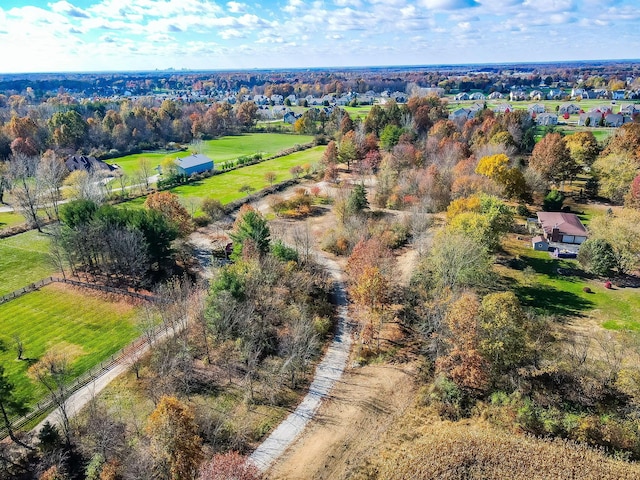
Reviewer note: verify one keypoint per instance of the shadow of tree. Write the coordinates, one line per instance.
(552, 300)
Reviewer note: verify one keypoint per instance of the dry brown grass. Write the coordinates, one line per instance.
(423, 447)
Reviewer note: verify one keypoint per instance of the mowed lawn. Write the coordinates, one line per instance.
(85, 327)
(10, 219)
(24, 259)
(545, 289)
(220, 149)
(226, 186)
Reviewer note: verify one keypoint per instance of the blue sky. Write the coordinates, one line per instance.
(98, 35)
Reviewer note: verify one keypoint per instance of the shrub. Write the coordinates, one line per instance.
(553, 201)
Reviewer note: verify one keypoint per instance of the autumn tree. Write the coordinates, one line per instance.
(504, 331)
(552, 159)
(583, 148)
(631, 199)
(226, 466)
(175, 445)
(270, 177)
(347, 151)
(52, 372)
(615, 172)
(464, 364)
(168, 204)
(496, 167)
(457, 261)
(622, 231)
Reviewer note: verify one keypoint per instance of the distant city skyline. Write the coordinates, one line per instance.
(121, 35)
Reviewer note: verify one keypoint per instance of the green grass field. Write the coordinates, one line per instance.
(86, 327)
(226, 187)
(10, 219)
(546, 290)
(24, 259)
(220, 149)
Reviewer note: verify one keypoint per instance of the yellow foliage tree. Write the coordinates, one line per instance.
(175, 445)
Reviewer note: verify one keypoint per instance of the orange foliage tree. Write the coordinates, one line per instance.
(464, 364)
(175, 444)
(168, 204)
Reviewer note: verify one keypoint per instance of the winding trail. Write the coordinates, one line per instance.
(327, 374)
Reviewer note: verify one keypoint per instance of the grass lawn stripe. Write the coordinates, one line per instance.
(24, 259)
(90, 327)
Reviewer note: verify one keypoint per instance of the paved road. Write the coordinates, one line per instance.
(327, 373)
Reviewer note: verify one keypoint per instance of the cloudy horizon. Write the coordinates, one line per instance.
(121, 35)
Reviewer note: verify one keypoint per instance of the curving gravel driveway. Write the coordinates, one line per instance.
(327, 373)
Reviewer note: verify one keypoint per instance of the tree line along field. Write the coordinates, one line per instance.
(84, 326)
(220, 149)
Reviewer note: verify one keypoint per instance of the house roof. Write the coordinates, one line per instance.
(82, 162)
(194, 160)
(567, 223)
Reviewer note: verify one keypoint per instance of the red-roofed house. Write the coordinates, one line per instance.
(562, 227)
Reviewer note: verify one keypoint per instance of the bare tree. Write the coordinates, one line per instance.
(51, 172)
(52, 372)
(26, 188)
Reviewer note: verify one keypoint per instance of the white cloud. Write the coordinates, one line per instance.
(236, 7)
(232, 33)
(66, 8)
(550, 6)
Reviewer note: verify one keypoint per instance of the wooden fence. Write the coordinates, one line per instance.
(32, 287)
(127, 354)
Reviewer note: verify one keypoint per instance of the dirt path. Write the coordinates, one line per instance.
(327, 373)
(361, 407)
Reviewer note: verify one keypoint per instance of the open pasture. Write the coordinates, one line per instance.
(220, 149)
(85, 326)
(226, 187)
(24, 259)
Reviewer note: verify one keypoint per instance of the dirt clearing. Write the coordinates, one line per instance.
(362, 406)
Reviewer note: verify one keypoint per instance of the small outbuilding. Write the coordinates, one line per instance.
(539, 243)
(196, 163)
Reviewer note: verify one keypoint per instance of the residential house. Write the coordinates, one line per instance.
(88, 164)
(290, 117)
(196, 163)
(630, 109)
(517, 96)
(503, 108)
(555, 94)
(536, 95)
(561, 227)
(613, 120)
(546, 119)
(590, 119)
(536, 108)
(570, 108)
